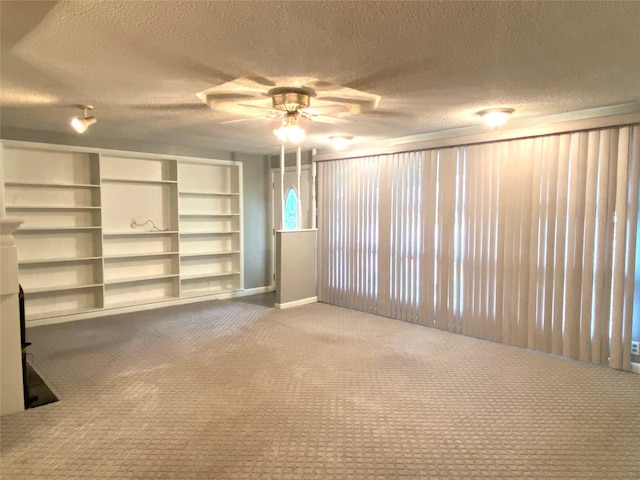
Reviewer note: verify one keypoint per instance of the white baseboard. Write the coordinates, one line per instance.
(253, 291)
(296, 303)
(635, 367)
(146, 306)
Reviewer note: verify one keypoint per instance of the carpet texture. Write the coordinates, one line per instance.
(224, 390)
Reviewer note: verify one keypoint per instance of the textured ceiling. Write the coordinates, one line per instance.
(433, 65)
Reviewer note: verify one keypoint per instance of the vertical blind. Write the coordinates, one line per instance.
(527, 242)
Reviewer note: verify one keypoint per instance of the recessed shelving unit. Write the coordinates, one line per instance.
(107, 229)
(57, 195)
(140, 207)
(210, 222)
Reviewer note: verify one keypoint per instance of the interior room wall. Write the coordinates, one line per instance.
(256, 196)
(290, 159)
(256, 210)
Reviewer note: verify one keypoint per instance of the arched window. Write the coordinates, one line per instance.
(291, 210)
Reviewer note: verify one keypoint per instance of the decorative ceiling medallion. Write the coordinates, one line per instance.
(246, 96)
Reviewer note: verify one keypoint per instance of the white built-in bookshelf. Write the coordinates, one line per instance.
(209, 213)
(106, 229)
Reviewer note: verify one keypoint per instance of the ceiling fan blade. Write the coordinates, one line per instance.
(171, 106)
(257, 107)
(229, 96)
(264, 81)
(326, 110)
(240, 120)
(353, 101)
(318, 118)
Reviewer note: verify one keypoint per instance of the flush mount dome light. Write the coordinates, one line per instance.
(80, 124)
(340, 142)
(496, 117)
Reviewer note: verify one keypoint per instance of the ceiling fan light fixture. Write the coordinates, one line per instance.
(496, 117)
(81, 124)
(290, 131)
(340, 142)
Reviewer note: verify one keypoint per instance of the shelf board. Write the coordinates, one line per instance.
(53, 229)
(200, 276)
(208, 254)
(49, 185)
(145, 278)
(49, 208)
(138, 233)
(41, 290)
(62, 313)
(58, 260)
(219, 232)
(138, 255)
(138, 180)
(200, 292)
(208, 194)
(145, 301)
(209, 214)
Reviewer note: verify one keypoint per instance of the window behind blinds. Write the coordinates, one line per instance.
(528, 242)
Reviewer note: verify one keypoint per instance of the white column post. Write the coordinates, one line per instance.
(313, 192)
(298, 172)
(11, 386)
(282, 186)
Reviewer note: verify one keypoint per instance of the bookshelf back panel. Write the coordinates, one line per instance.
(51, 197)
(207, 286)
(142, 292)
(208, 205)
(139, 267)
(208, 224)
(23, 165)
(208, 244)
(54, 303)
(134, 244)
(209, 265)
(205, 178)
(60, 219)
(137, 169)
(60, 275)
(123, 203)
(39, 246)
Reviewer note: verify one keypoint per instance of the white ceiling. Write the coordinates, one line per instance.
(433, 65)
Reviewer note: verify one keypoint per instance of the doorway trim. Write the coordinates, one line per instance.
(272, 240)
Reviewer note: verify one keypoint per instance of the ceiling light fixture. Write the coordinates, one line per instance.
(496, 117)
(340, 142)
(289, 131)
(80, 124)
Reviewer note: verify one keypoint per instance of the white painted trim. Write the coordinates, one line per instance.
(147, 306)
(296, 303)
(113, 153)
(635, 367)
(253, 291)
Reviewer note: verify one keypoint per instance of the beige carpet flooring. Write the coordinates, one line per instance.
(223, 390)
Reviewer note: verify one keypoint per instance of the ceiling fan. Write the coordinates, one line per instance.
(291, 104)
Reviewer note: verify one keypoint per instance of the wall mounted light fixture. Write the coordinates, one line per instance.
(80, 124)
(496, 117)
